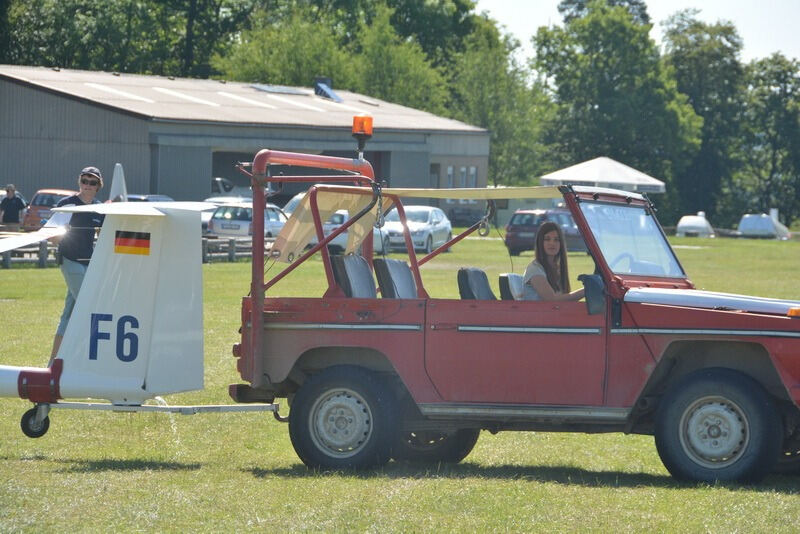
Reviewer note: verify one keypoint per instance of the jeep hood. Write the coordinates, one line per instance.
(694, 298)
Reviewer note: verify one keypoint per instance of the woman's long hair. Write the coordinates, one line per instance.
(557, 277)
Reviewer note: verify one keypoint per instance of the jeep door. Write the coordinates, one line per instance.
(521, 352)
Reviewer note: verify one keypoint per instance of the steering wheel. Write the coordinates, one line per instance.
(613, 263)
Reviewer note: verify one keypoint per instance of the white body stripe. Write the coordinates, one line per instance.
(529, 329)
(329, 326)
(704, 332)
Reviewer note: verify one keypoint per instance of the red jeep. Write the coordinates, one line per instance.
(373, 374)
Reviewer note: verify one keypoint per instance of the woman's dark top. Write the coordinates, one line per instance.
(78, 243)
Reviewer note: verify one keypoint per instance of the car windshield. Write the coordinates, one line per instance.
(631, 240)
(412, 215)
(525, 219)
(47, 199)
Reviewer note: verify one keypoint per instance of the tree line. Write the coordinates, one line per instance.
(723, 134)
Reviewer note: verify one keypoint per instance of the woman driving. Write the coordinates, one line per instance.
(547, 276)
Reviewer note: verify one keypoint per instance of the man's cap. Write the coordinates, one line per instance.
(92, 171)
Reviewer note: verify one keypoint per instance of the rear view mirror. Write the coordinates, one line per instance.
(595, 290)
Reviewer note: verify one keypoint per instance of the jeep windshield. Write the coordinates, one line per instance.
(631, 240)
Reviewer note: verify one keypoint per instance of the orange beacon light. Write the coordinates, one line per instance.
(362, 130)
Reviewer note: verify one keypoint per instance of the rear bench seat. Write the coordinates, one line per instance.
(395, 279)
(473, 284)
(354, 276)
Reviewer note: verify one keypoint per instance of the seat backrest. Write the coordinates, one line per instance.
(395, 279)
(353, 275)
(473, 284)
(511, 286)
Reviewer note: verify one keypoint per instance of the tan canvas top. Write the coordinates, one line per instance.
(299, 229)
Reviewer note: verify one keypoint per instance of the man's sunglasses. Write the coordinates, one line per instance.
(86, 181)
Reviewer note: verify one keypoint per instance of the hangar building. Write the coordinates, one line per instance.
(173, 135)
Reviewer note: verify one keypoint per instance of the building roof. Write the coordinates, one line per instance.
(604, 172)
(184, 99)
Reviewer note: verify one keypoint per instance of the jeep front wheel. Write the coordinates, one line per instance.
(718, 424)
(341, 419)
(434, 447)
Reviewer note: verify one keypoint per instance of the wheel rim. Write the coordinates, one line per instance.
(340, 423)
(714, 432)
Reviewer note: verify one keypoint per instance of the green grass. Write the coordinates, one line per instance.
(98, 471)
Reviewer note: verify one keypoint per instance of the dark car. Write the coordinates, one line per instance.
(523, 225)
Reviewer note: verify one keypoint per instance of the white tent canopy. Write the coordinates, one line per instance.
(604, 172)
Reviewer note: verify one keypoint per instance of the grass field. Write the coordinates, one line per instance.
(101, 472)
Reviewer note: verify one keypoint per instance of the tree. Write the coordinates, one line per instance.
(770, 149)
(289, 49)
(615, 96)
(705, 59)
(396, 69)
(5, 27)
(573, 9)
(493, 92)
(142, 36)
(439, 26)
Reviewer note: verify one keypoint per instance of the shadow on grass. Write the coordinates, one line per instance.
(568, 475)
(94, 466)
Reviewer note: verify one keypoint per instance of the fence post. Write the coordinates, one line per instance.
(7, 259)
(43, 254)
(231, 250)
(205, 249)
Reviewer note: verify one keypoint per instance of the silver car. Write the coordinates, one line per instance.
(236, 220)
(429, 227)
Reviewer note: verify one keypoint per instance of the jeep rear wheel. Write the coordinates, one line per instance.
(433, 446)
(718, 424)
(341, 419)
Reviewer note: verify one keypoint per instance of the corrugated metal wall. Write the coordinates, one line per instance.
(46, 139)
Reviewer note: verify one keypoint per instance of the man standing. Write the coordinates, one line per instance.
(10, 207)
(75, 247)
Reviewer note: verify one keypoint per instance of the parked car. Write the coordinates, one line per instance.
(39, 209)
(523, 225)
(223, 186)
(694, 226)
(214, 203)
(429, 228)
(236, 220)
(293, 202)
(149, 198)
(762, 225)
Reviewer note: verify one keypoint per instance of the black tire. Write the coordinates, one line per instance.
(435, 447)
(342, 418)
(788, 461)
(30, 428)
(513, 252)
(718, 425)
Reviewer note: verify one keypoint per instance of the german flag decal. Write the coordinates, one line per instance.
(132, 243)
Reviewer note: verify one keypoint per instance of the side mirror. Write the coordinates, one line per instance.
(595, 291)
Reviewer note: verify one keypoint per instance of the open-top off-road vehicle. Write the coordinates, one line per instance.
(376, 368)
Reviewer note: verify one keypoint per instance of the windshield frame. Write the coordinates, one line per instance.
(668, 278)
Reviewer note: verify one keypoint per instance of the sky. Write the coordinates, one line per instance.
(765, 26)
